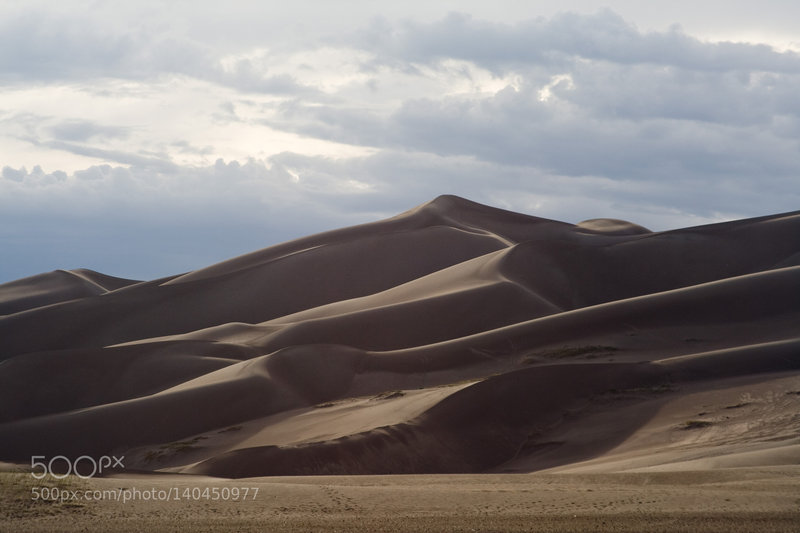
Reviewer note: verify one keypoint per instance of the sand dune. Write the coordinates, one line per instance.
(453, 338)
(55, 287)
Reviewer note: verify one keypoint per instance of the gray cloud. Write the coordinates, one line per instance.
(78, 130)
(401, 178)
(188, 217)
(663, 134)
(569, 117)
(38, 46)
(593, 97)
(147, 222)
(560, 40)
(114, 156)
(34, 47)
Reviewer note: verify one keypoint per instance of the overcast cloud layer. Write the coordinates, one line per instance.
(149, 140)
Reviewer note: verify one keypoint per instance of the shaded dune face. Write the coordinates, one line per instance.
(454, 337)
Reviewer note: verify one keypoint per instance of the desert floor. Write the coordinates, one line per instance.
(726, 500)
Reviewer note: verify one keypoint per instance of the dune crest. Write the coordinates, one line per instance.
(612, 226)
(453, 337)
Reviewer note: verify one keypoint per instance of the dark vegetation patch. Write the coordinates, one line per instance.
(388, 395)
(173, 448)
(737, 406)
(659, 388)
(568, 352)
(696, 424)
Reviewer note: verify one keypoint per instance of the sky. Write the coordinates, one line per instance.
(144, 139)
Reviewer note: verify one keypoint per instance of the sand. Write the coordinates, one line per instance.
(728, 500)
(446, 369)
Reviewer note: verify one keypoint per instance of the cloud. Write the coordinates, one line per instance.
(584, 96)
(569, 117)
(37, 46)
(114, 156)
(400, 179)
(78, 130)
(664, 133)
(146, 221)
(561, 40)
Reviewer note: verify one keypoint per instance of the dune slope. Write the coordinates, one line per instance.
(454, 337)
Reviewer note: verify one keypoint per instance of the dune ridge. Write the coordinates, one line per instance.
(454, 337)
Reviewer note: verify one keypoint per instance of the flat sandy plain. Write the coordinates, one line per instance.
(454, 368)
(729, 500)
